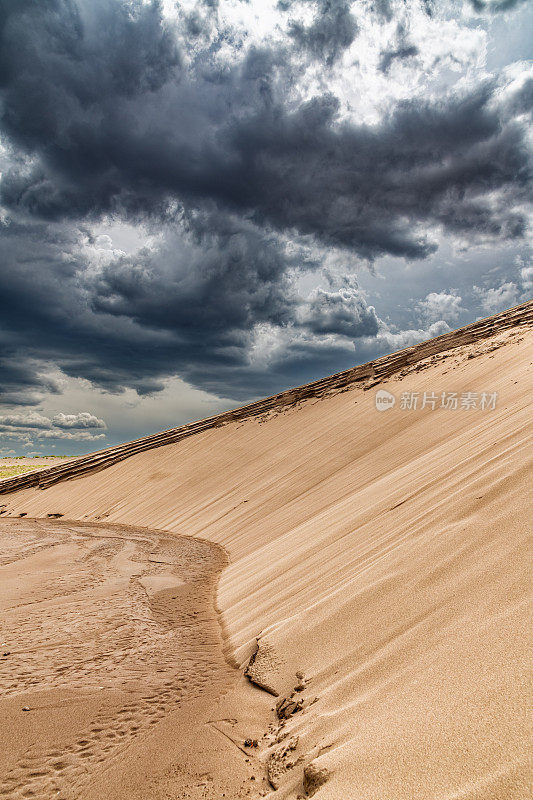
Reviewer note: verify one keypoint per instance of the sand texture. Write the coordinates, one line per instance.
(110, 644)
(377, 576)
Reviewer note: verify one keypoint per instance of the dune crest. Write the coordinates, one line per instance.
(378, 569)
(371, 374)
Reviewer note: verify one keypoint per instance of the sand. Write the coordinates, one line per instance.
(377, 562)
(110, 640)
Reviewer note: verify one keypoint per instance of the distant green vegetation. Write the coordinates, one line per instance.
(9, 472)
(21, 458)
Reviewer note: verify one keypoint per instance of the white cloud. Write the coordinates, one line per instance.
(441, 306)
(389, 341)
(18, 435)
(31, 427)
(498, 298)
(31, 419)
(82, 420)
(526, 276)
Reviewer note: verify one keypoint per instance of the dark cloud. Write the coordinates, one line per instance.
(220, 158)
(298, 360)
(212, 282)
(332, 31)
(521, 101)
(400, 52)
(495, 5)
(230, 138)
(83, 51)
(189, 303)
(384, 9)
(46, 319)
(23, 379)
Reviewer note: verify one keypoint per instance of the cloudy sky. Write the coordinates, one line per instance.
(202, 203)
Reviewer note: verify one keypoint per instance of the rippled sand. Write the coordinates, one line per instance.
(109, 640)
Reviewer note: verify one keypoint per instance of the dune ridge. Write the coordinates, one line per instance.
(378, 572)
(372, 372)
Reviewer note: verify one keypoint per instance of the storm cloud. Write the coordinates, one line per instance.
(332, 31)
(403, 49)
(241, 176)
(495, 5)
(98, 140)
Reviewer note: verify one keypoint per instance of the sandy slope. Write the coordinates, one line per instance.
(382, 555)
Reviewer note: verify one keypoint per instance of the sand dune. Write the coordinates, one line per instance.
(378, 564)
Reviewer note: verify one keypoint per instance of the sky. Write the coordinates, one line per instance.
(203, 203)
